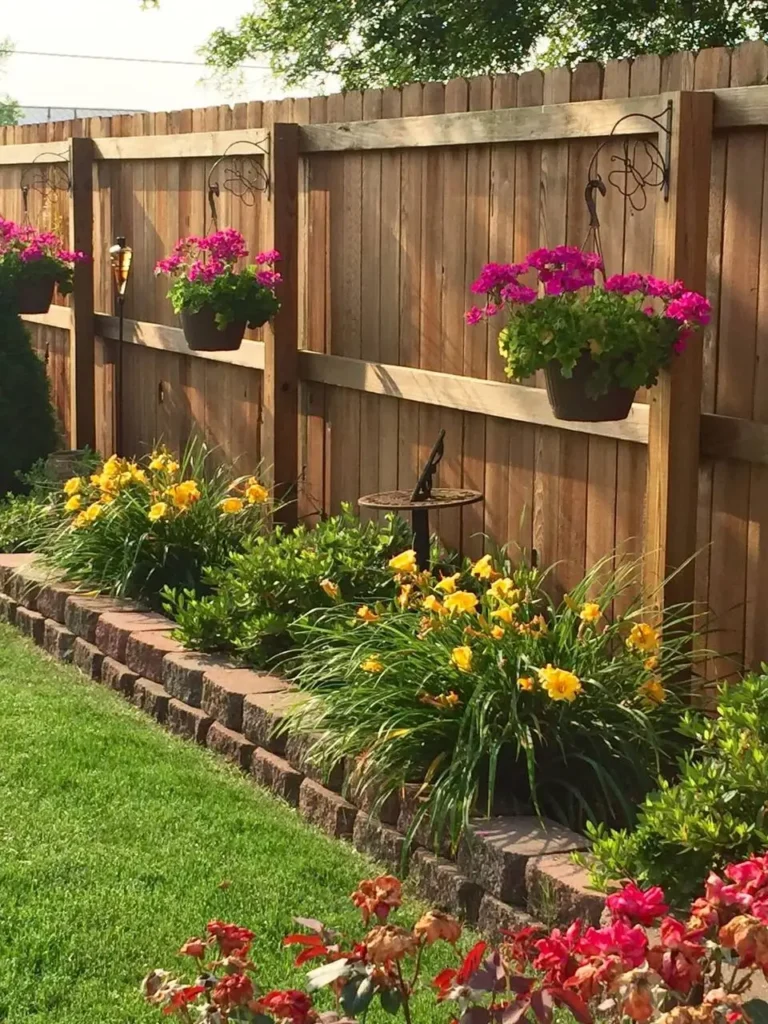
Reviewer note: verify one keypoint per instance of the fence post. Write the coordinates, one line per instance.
(82, 379)
(680, 252)
(280, 401)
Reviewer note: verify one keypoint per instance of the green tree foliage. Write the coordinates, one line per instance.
(27, 423)
(10, 111)
(391, 42)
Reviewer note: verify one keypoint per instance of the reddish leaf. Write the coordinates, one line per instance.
(541, 1004)
(472, 961)
(299, 939)
(490, 977)
(574, 1002)
(310, 954)
(311, 923)
(519, 984)
(475, 1015)
(444, 980)
(515, 1012)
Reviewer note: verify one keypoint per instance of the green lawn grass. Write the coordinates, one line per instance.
(115, 839)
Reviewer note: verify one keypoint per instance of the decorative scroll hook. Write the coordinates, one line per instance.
(244, 175)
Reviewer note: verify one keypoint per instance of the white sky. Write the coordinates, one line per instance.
(119, 28)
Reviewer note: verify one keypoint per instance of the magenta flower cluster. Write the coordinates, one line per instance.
(202, 260)
(31, 245)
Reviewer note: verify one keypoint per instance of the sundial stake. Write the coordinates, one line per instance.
(423, 498)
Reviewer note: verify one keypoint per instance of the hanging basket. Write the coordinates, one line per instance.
(570, 401)
(202, 334)
(34, 295)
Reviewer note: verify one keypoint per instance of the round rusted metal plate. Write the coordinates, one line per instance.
(442, 497)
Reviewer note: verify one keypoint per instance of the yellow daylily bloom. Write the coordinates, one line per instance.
(73, 486)
(231, 506)
(497, 632)
(404, 562)
(433, 604)
(138, 474)
(504, 590)
(461, 601)
(526, 683)
(643, 637)
(570, 604)
(404, 596)
(483, 568)
(80, 520)
(96, 479)
(505, 614)
(371, 664)
(72, 504)
(536, 627)
(255, 492)
(559, 683)
(444, 701)
(112, 467)
(158, 461)
(330, 588)
(171, 466)
(448, 583)
(366, 614)
(653, 691)
(157, 511)
(590, 612)
(184, 494)
(93, 511)
(462, 658)
(651, 663)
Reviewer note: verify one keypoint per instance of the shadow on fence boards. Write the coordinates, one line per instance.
(385, 204)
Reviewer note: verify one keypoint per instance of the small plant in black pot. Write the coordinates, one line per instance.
(596, 343)
(215, 298)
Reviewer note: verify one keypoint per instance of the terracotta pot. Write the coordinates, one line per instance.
(570, 401)
(34, 295)
(202, 334)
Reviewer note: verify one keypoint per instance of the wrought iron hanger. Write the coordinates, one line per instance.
(643, 165)
(243, 175)
(44, 178)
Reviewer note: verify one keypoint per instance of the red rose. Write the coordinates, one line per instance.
(289, 1004)
(230, 937)
(233, 990)
(193, 947)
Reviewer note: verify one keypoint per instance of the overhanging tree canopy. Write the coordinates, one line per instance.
(391, 42)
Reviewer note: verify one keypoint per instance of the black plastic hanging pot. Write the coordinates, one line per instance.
(34, 295)
(570, 401)
(202, 334)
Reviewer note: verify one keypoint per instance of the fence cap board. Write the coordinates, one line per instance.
(179, 147)
(586, 119)
(741, 107)
(35, 152)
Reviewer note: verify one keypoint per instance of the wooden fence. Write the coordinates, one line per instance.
(386, 204)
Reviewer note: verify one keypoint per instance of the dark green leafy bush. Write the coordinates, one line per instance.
(718, 810)
(279, 576)
(27, 422)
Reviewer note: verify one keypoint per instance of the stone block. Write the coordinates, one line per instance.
(189, 722)
(8, 609)
(231, 745)
(495, 851)
(558, 890)
(225, 687)
(114, 628)
(379, 842)
(443, 886)
(82, 614)
(327, 810)
(87, 657)
(183, 673)
(495, 916)
(368, 800)
(276, 774)
(298, 751)
(24, 583)
(31, 624)
(118, 677)
(146, 651)
(52, 600)
(10, 563)
(152, 698)
(58, 640)
(263, 713)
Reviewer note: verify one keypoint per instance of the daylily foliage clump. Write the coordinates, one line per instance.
(642, 963)
(477, 676)
(631, 325)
